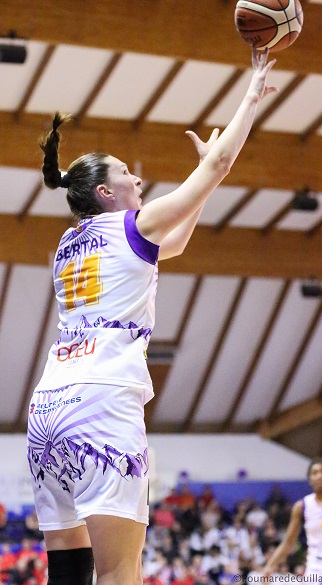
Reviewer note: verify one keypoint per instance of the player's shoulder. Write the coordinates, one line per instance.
(298, 507)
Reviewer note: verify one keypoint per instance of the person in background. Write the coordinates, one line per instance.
(306, 513)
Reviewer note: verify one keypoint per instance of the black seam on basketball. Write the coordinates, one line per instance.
(248, 30)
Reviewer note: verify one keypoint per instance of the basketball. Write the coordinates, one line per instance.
(274, 24)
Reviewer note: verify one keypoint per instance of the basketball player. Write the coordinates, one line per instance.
(87, 444)
(308, 513)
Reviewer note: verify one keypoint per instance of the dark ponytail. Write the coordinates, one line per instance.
(49, 145)
(82, 177)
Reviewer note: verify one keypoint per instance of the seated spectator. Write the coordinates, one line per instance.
(26, 551)
(163, 515)
(212, 563)
(196, 542)
(21, 572)
(169, 549)
(228, 574)
(173, 499)
(187, 498)
(39, 571)
(255, 574)
(206, 496)
(32, 527)
(8, 560)
(238, 533)
(211, 537)
(184, 551)
(189, 519)
(3, 523)
(155, 535)
(153, 566)
(195, 569)
(210, 517)
(254, 552)
(177, 569)
(184, 578)
(268, 535)
(152, 580)
(229, 550)
(256, 517)
(275, 497)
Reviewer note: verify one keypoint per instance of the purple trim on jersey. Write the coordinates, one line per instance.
(142, 247)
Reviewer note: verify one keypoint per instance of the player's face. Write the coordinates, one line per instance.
(124, 186)
(315, 477)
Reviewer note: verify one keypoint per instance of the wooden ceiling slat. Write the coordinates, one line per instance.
(159, 374)
(34, 81)
(5, 288)
(227, 425)
(188, 310)
(160, 90)
(26, 393)
(223, 222)
(31, 199)
(291, 418)
(277, 217)
(282, 254)
(262, 163)
(295, 363)
(193, 34)
(188, 423)
(311, 129)
(315, 229)
(278, 100)
(160, 371)
(215, 101)
(97, 88)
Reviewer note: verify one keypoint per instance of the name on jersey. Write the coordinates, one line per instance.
(80, 248)
(75, 351)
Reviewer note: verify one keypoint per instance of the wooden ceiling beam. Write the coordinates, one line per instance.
(278, 100)
(157, 94)
(189, 420)
(144, 27)
(282, 254)
(216, 99)
(268, 159)
(106, 73)
(292, 418)
(241, 393)
(158, 371)
(285, 385)
(28, 388)
(233, 211)
(34, 81)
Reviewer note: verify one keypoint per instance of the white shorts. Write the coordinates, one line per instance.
(87, 452)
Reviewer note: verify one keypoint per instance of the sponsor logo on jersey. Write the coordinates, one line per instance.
(44, 408)
(75, 351)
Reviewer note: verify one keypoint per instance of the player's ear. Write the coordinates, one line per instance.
(103, 191)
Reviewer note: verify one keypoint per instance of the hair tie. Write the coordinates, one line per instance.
(65, 181)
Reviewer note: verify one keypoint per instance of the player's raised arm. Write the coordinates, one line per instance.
(159, 217)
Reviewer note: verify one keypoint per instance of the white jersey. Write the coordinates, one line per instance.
(105, 277)
(312, 512)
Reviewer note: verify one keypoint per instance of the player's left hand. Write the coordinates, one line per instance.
(203, 148)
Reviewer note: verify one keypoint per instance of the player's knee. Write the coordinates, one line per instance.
(70, 567)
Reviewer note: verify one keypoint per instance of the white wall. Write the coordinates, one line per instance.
(204, 457)
(219, 458)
